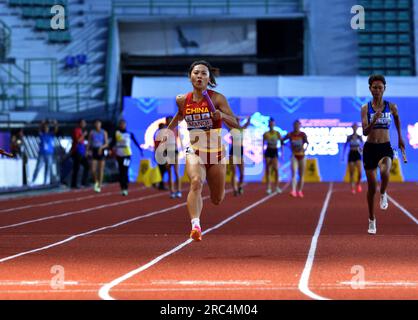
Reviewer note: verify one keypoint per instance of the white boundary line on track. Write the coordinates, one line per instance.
(49, 203)
(43, 194)
(104, 290)
(79, 235)
(406, 212)
(70, 213)
(304, 279)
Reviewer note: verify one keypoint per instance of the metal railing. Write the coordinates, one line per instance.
(58, 97)
(190, 7)
(5, 42)
(19, 90)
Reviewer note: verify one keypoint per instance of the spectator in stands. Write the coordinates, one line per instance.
(46, 151)
(79, 154)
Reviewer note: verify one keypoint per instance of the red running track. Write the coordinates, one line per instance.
(258, 250)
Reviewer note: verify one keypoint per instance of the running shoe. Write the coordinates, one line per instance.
(293, 194)
(124, 193)
(172, 195)
(300, 194)
(353, 190)
(196, 234)
(268, 191)
(384, 201)
(178, 194)
(96, 187)
(372, 226)
(240, 190)
(359, 189)
(278, 190)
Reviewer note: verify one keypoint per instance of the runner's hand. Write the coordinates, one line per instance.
(376, 116)
(401, 144)
(217, 115)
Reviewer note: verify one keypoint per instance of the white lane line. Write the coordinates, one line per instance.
(406, 212)
(79, 235)
(44, 194)
(104, 290)
(304, 279)
(70, 213)
(379, 284)
(191, 289)
(211, 283)
(34, 283)
(50, 203)
(136, 290)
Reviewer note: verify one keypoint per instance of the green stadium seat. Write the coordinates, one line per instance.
(405, 50)
(378, 51)
(404, 4)
(44, 3)
(378, 63)
(365, 72)
(378, 71)
(36, 12)
(45, 24)
(391, 63)
(390, 4)
(391, 38)
(364, 63)
(377, 27)
(392, 72)
(404, 38)
(405, 72)
(403, 15)
(59, 36)
(391, 50)
(373, 15)
(377, 38)
(377, 4)
(405, 63)
(390, 16)
(404, 26)
(14, 2)
(391, 27)
(364, 50)
(364, 38)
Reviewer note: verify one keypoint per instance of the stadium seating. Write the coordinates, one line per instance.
(388, 33)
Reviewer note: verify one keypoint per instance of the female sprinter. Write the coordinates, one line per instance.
(203, 162)
(378, 152)
(237, 160)
(271, 155)
(298, 145)
(354, 158)
(98, 142)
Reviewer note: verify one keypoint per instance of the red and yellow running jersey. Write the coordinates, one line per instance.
(198, 118)
(197, 114)
(297, 140)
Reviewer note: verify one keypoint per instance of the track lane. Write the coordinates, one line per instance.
(389, 259)
(259, 255)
